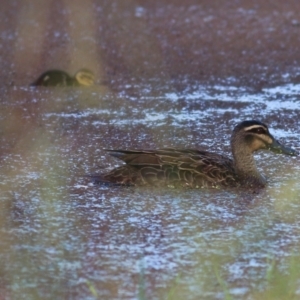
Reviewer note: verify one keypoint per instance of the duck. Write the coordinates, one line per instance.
(193, 168)
(83, 78)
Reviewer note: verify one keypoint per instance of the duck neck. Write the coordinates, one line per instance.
(245, 166)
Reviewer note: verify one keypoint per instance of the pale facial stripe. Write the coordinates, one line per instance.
(255, 126)
(263, 137)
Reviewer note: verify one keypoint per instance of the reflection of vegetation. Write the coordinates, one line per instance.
(142, 287)
(281, 284)
(92, 289)
(222, 283)
(172, 291)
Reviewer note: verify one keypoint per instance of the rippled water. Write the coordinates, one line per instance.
(62, 237)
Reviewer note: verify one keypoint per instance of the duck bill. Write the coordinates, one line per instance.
(277, 147)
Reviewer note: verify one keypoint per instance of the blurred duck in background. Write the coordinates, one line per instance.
(83, 77)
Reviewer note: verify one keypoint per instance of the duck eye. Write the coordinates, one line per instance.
(260, 130)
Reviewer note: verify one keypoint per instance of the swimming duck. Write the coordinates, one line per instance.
(83, 77)
(198, 168)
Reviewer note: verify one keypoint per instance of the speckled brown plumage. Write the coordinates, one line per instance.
(196, 168)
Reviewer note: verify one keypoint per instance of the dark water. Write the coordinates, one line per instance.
(62, 237)
(168, 74)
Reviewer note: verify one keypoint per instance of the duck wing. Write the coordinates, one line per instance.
(169, 166)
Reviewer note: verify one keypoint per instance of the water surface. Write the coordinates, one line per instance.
(63, 237)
